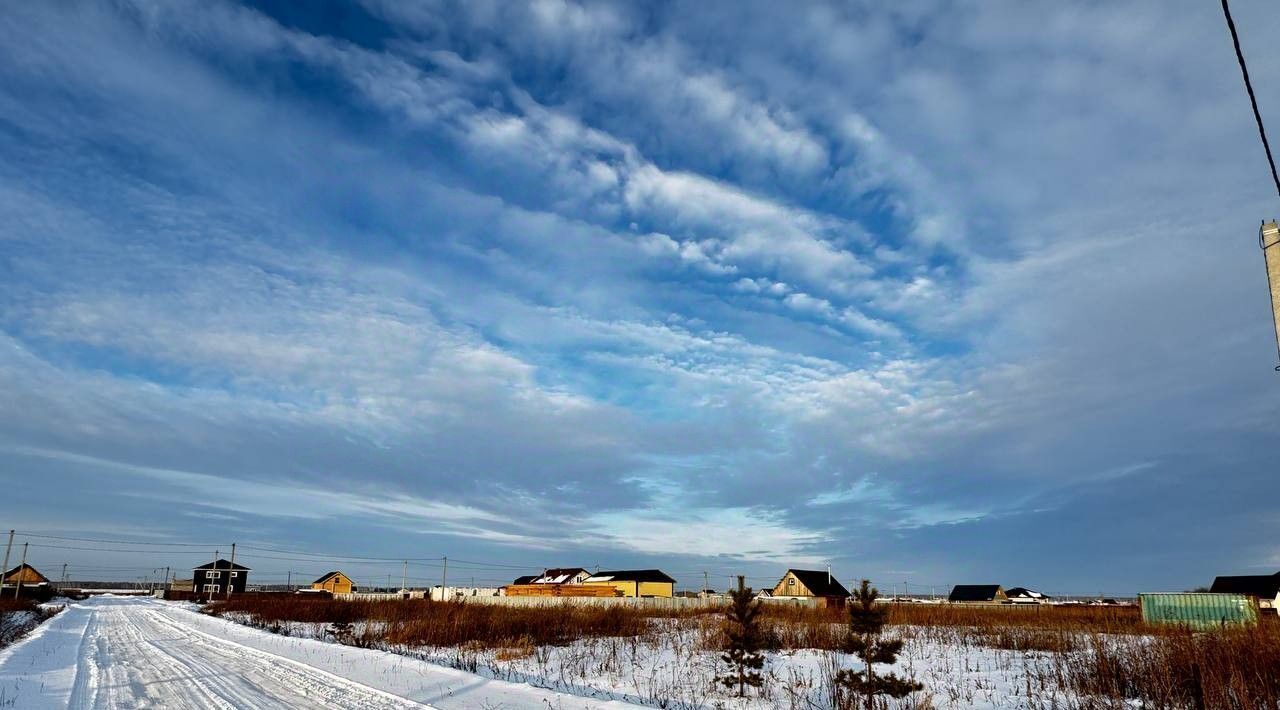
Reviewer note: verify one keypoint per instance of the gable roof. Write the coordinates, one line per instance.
(631, 575)
(974, 593)
(1024, 593)
(526, 579)
(558, 575)
(819, 582)
(329, 576)
(14, 572)
(221, 564)
(1263, 586)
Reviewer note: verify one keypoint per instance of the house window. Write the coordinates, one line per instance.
(791, 582)
(235, 574)
(213, 574)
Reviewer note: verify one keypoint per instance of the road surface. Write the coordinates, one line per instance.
(130, 652)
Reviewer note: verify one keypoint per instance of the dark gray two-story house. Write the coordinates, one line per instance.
(215, 578)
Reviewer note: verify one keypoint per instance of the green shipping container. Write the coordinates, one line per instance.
(1199, 611)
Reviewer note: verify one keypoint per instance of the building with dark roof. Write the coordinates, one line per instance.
(218, 576)
(561, 575)
(634, 582)
(978, 594)
(1022, 595)
(809, 584)
(1263, 587)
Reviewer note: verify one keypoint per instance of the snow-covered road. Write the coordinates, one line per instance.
(129, 652)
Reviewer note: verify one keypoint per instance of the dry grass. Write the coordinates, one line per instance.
(1233, 669)
(419, 622)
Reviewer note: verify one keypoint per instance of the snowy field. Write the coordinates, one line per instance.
(669, 669)
(117, 652)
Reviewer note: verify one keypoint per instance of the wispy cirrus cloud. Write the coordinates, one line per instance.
(863, 284)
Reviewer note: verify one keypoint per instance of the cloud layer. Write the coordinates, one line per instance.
(966, 293)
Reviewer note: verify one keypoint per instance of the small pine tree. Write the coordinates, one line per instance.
(866, 624)
(745, 641)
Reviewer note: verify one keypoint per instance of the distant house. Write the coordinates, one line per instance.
(807, 583)
(215, 577)
(29, 578)
(1264, 587)
(978, 594)
(634, 582)
(335, 583)
(1022, 595)
(562, 575)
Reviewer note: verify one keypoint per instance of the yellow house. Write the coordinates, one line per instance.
(635, 582)
(334, 582)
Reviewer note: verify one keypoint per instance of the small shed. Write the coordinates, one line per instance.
(978, 594)
(335, 582)
(218, 577)
(634, 582)
(1263, 587)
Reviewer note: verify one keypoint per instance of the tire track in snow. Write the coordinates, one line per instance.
(311, 686)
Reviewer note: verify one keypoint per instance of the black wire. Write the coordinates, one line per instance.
(1257, 115)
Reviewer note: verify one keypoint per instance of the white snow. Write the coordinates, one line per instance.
(110, 652)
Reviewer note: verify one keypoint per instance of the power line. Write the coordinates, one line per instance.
(1253, 101)
(119, 542)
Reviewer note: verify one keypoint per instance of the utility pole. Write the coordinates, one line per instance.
(230, 568)
(166, 578)
(404, 576)
(63, 581)
(706, 583)
(289, 583)
(17, 590)
(444, 579)
(5, 568)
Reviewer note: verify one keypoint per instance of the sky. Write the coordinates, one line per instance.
(930, 292)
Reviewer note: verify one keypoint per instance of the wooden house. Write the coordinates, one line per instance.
(978, 594)
(28, 577)
(811, 584)
(335, 583)
(218, 576)
(634, 582)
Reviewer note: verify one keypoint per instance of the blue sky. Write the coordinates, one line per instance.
(945, 293)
